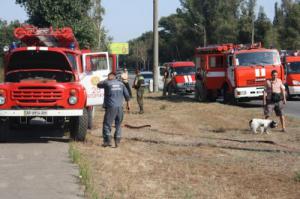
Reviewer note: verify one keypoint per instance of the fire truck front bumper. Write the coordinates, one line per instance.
(41, 113)
(294, 90)
(249, 92)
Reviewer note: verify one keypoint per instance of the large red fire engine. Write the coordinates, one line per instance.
(48, 77)
(234, 72)
(183, 77)
(292, 71)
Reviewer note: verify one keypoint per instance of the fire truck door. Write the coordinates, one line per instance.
(230, 70)
(96, 67)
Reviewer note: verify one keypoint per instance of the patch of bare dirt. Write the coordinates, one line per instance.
(194, 150)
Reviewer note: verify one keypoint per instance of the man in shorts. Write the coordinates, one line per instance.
(274, 98)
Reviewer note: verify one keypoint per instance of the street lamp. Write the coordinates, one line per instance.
(204, 32)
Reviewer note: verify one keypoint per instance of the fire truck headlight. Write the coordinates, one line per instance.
(2, 100)
(295, 82)
(242, 92)
(72, 100)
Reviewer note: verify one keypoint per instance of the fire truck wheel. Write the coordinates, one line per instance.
(5, 129)
(287, 94)
(226, 95)
(170, 90)
(90, 117)
(79, 126)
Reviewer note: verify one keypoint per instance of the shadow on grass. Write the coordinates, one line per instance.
(175, 98)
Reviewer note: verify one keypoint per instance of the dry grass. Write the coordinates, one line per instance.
(194, 150)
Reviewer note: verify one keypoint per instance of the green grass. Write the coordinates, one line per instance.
(85, 174)
(297, 176)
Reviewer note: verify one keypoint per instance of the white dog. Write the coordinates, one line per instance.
(263, 124)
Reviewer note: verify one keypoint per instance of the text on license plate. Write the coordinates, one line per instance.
(35, 113)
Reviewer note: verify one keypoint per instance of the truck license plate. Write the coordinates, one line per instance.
(35, 113)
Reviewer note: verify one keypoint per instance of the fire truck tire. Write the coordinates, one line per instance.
(4, 130)
(79, 126)
(170, 90)
(226, 95)
(90, 118)
(287, 94)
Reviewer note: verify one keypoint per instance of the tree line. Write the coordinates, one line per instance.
(195, 23)
(206, 22)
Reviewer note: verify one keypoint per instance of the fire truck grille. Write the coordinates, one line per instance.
(33, 95)
(254, 82)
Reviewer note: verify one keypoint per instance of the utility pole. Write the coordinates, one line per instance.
(155, 45)
(252, 34)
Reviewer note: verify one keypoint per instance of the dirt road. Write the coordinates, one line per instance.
(195, 150)
(38, 169)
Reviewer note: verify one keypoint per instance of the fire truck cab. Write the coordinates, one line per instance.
(182, 77)
(48, 77)
(291, 64)
(234, 72)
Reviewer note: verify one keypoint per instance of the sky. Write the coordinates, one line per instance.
(124, 19)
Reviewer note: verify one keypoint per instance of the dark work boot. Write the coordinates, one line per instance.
(117, 142)
(107, 143)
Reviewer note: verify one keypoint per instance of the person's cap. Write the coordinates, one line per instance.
(112, 73)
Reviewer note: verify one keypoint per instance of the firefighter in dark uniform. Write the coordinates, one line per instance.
(114, 94)
(167, 80)
(139, 84)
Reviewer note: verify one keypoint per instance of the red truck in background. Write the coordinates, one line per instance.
(48, 77)
(291, 64)
(234, 72)
(183, 77)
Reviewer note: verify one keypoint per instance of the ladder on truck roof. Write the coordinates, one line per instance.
(226, 47)
(33, 36)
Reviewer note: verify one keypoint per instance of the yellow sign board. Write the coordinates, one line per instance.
(119, 48)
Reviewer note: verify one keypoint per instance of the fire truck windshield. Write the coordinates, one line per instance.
(257, 58)
(294, 68)
(184, 70)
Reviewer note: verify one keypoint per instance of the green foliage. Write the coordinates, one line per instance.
(85, 174)
(297, 176)
(6, 33)
(72, 13)
(200, 22)
(263, 29)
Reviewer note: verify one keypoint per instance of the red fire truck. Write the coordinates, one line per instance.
(292, 71)
(234, 72)
(183, 77)
(48, 77)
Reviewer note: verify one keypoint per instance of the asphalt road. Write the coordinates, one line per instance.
(292, 107)
(38, 169)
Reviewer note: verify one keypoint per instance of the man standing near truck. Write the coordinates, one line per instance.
(167, 80)
(274, 98)
(114, 94)
(125, 80)
(139, 85)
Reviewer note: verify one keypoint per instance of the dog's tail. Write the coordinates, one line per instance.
(250, 122)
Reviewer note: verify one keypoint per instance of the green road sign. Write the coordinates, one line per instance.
(119, 48)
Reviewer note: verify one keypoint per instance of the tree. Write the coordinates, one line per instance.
(73, 13)
(246, 22)
(6, 33)
(263, 29)
(217, 19)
